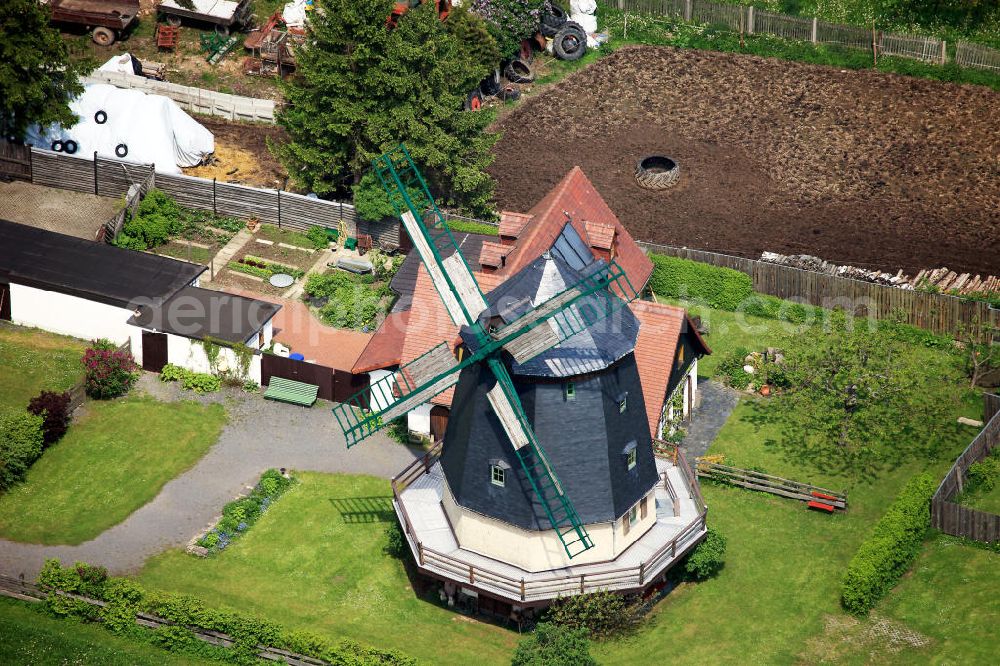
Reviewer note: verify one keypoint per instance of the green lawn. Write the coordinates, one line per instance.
(986, 501)
(29, 636)
(38, 360)
(315, 562)
(273, 233)
(112, 461)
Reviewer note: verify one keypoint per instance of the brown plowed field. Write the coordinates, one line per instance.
(856, 167)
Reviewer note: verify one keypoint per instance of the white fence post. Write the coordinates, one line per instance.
(814, 26)
(750, 20)
(944, 52)
(687, 10)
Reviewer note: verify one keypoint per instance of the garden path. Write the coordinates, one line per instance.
(260, 434)
(717, 403)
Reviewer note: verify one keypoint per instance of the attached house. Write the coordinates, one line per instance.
(572, 221)
(91, 290)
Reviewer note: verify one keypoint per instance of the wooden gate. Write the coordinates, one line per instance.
(300, 371)
(154, 351)
(15, 161)
(439, 422)
(346, 384)
(5, 301)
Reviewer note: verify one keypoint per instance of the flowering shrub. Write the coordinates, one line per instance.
(109, 372)
(239, 515)
(54, 409)
(510, 21)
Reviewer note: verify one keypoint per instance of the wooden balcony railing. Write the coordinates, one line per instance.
(623, 578)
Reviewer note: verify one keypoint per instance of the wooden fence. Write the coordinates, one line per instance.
(755, 21)
(334, 384)
(955, 519)
(19, 589)
(541, 589)
(136, 193)
(112, 178)
(974, 55)
(768, 483)
(940, 313)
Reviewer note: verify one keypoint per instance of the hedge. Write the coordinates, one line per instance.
(889, 550)
(721, 288)
(124, 598)
(21, 442)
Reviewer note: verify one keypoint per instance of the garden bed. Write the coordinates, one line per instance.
(857, 167)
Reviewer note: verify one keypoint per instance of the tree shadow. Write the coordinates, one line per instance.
(364, 510)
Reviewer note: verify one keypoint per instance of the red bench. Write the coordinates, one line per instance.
(821, 506)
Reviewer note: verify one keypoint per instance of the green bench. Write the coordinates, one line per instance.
(289, 390)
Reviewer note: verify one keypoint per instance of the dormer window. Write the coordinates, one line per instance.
(498, 472)
(622, 403)
(629, 453)
(569, 389)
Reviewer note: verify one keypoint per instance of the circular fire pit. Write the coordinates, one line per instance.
(656, 172)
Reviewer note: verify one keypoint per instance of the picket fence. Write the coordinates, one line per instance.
(755, 21)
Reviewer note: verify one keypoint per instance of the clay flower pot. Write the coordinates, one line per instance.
(765, 390)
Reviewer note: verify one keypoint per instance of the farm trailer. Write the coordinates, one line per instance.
(225, 15)
(108, 19)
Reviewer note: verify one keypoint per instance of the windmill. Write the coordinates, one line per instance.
(603, 290)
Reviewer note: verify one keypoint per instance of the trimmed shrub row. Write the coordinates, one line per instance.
(124, 598)
(21, 444)
(890, 548)
(720, 288)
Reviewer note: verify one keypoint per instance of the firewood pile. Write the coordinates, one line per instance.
(939, 279)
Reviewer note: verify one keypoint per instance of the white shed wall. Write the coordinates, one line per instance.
(68, 315)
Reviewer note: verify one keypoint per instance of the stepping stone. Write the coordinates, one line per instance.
(262, 241)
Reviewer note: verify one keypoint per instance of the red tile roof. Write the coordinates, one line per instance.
(575, 195)
(492, 254)
(386, 346)
(601, 234)
(655, 350)
(511, 224)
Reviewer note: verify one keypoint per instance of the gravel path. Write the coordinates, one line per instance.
(717, 403)
(260, 434)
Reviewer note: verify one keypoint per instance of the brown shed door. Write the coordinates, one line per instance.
(5, 302)
(439, 422)
(154, 351)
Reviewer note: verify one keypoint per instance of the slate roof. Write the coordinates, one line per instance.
(592, 349)
(88, 269)
(198, 313)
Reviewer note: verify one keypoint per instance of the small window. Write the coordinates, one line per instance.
(633, 515)
(623, 403)
(498, 475)
(630, 459)
(680, 356)
(570, 390)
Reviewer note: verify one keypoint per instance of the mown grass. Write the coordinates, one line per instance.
(29, 636)
(273, 233)
(113, 460)
(32, 360)
(315, 561)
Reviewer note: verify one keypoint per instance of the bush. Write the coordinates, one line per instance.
(239, 515)
(894, 542)
(708, 557)
(552, 645)
(353, 301)
(157, 217)
(110, 373)
(54, 409)
(21, 442)
(199, 382)
(396, 545)
(317, 236)
(982, 476)
(731, 369)
(124, 598)
(721, 288)
(601, 614)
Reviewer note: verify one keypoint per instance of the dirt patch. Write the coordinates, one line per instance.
(63, 211)
(241, 154)
(846, 638)
(865, 168)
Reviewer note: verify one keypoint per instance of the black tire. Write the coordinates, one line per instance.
(69, 147)
(57, 146)
(510, 93)
(570, 43)
(552, 21)
(656, 172)
(173, 20)
(518, 71)
(491, 85)
(121, 150)
(473, 101)
(101, 117)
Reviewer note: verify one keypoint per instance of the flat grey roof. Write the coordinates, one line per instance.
(198, 313)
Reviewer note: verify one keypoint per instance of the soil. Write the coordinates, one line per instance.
(865, 168)
(241, 154)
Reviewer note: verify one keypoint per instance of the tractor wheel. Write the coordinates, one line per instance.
(490, 86)
(103, 36)
(656, 172)
(570, 43)
(552, 21)
(174, 21)
(474, 100)
(519, 71)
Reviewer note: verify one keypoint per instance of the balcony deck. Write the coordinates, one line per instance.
(679, 526)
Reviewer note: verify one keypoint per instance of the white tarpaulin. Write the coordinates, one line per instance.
(294, 13)
(152, 129)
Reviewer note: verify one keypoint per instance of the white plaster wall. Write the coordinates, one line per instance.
(68, 315)
(380, 397)
(540, 551)
(190, 354)
(268, 332)
(419, 419)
